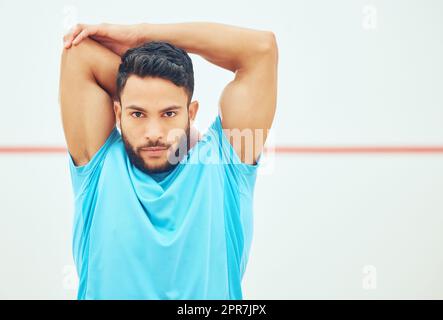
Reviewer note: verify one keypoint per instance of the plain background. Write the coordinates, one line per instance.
(351, 73)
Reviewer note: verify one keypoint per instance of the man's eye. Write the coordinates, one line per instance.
(168, 114)
(137, 112)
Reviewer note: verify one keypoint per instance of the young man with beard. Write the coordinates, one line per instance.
(160, 211)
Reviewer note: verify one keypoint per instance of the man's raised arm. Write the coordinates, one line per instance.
(87, 84)
(248, 103)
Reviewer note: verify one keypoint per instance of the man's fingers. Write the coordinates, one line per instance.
(78, 28)
(86, 32)
(80, 37)
(80, 32)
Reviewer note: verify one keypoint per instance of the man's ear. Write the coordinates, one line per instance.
(118, 113)
(193, 109)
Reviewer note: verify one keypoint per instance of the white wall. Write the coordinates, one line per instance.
(351, 73)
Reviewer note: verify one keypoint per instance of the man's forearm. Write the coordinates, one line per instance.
(227, 46)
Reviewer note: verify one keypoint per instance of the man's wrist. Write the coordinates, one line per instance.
(142, 31)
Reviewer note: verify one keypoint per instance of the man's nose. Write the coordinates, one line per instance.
(153, 131)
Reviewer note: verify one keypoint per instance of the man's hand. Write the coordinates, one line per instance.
(117, 38)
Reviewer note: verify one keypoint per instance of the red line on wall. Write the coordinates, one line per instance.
(359, 149)
(276, 149)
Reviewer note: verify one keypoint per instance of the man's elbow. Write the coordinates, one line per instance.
(263, 48)
(268, 44)
(81, 53)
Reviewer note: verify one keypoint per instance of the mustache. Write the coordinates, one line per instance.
(159, 144)
(156, 144)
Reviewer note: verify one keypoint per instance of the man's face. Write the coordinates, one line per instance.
(155, 122)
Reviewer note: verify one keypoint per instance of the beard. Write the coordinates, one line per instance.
(169, 163)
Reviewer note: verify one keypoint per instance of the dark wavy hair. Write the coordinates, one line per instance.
(157, 59)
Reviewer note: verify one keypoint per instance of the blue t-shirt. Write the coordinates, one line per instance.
(184, 235)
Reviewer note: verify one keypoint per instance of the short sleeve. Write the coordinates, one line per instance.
(80, 174)
(227, 152)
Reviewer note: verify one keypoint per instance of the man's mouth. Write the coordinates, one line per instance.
(154, 151)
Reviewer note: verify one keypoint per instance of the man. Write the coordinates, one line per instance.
(161, 212)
